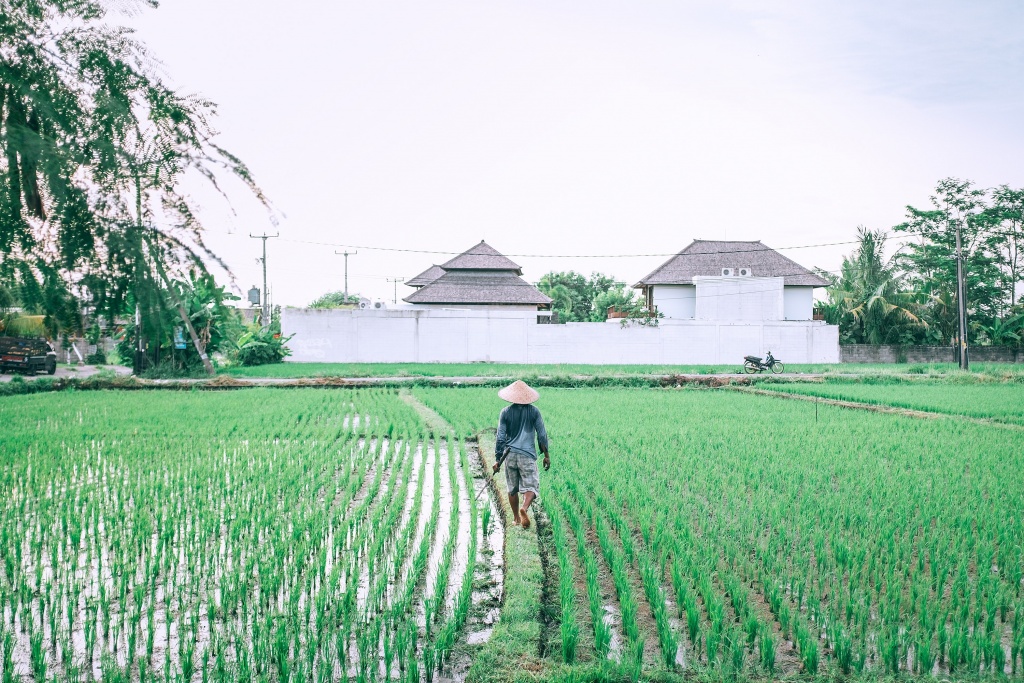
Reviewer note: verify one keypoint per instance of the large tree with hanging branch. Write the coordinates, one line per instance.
(95, 151)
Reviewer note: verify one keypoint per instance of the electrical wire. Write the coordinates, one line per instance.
(747, 292)
(762, 248)
(484, 283)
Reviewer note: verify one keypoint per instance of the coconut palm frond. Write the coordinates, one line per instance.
(869, 300)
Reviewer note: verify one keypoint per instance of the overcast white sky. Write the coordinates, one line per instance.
(588, 127)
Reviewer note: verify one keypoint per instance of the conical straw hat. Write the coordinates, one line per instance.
(518, 392)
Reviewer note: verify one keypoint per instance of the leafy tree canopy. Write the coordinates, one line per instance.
(910, 297)
(578, 298)
(869, 300)
(95, 147)
(334, 300)
(990, 223)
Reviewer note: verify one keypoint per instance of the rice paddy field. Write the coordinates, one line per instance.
(265, 535)
(1002, 402)
(350, 534)
(740, 533)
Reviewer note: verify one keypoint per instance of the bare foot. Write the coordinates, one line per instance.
(525, 518)
(515, 521)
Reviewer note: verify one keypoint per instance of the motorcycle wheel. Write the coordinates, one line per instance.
(51, 367)
(751, 368)
(777, 368)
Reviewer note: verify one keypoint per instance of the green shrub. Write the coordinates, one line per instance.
(261, 346)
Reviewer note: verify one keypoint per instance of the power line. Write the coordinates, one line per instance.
(763, 248)
(477, 286)
(487, 282)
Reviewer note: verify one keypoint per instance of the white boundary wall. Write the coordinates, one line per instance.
(460, 336)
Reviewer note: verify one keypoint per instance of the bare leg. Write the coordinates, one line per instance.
(513, 502)
(524, 518)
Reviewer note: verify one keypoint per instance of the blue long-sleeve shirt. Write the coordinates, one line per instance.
(519, 426)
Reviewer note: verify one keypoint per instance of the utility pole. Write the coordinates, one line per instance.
(266, 298)
(346, 255)
(396, 280)
(961, 303)
(140, 350)
(139, 363)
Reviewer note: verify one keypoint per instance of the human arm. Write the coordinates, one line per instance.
(542, 440)
(501, 438)
(500, 441)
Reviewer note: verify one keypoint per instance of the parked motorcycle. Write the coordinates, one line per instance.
(754, 364)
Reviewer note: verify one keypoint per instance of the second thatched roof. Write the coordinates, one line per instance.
(706, 258)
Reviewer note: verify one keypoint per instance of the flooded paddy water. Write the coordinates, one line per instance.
(323, 535)
(304, 548)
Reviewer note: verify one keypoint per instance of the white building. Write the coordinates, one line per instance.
(721, 301)
(731, 281)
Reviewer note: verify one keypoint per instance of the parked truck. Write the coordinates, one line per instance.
(28, 355)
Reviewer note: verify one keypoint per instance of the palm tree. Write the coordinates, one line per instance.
(869, 300)
(561, 299)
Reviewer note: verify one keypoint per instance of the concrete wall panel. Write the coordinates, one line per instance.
(675, 301)
(695, 343)
(385, 340)
(825, 344)
(739, 299)
(796, 339)
(798, 303)
(439, 336)
(737, 341)
(507, 338)
(444, 340)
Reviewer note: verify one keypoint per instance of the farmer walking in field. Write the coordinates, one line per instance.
(520, 430)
